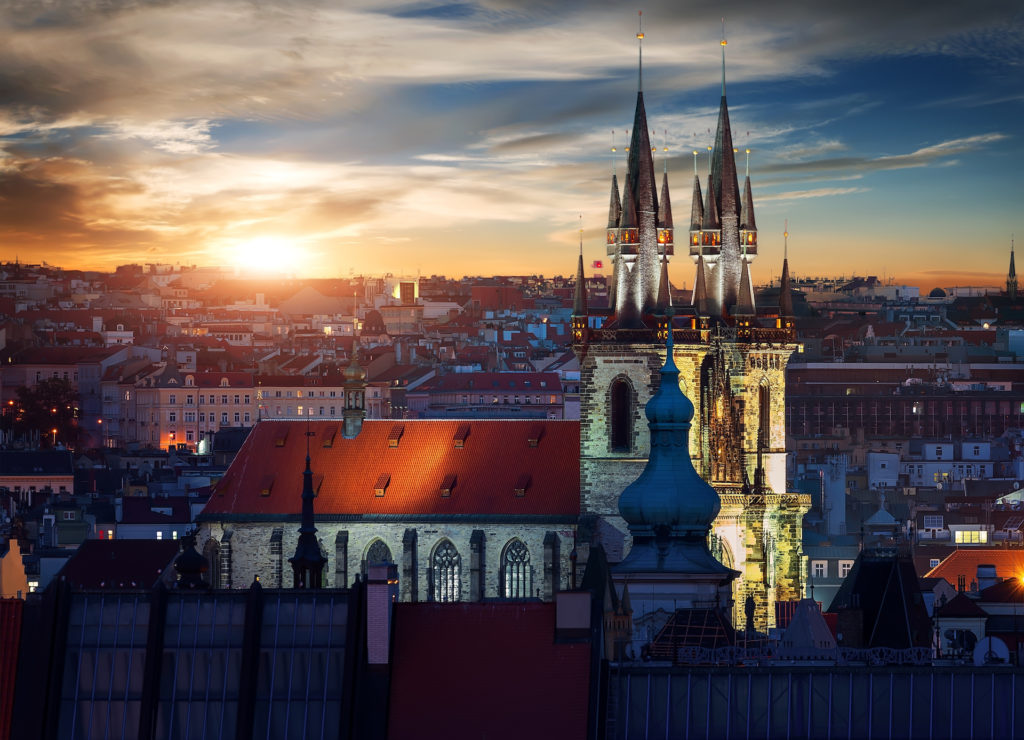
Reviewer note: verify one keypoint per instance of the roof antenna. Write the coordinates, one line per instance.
(640, 49)
(724, 42)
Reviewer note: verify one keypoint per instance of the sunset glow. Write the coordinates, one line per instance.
(375, 137)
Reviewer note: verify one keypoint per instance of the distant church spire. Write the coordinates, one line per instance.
(579, 303)
(308, 562)
(785, 298)
(1011, 276)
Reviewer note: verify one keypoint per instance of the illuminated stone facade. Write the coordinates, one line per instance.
(732, 363)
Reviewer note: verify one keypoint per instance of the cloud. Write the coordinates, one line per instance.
(816, 193)
(922, 157)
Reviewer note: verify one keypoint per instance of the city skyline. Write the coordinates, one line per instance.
(469, 138)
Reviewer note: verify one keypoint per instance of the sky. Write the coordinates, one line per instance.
(322, 139)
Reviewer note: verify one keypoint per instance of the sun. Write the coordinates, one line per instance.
(268, 254)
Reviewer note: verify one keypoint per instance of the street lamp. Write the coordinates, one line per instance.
(54, 433)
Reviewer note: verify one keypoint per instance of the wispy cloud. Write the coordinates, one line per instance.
(815, 193)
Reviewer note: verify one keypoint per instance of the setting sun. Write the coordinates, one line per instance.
(267, 254)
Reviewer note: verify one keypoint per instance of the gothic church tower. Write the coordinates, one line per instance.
(731, 358)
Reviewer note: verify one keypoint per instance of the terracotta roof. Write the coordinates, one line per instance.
(965, 562)
(119, 563)
(490, 463)
(504, 686)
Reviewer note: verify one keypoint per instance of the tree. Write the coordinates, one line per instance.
(48, 412)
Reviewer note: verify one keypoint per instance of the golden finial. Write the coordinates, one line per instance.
(748, 163)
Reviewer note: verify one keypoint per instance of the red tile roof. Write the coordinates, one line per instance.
(10, 640)
(485, 670)
(496, 455)
(965, 562)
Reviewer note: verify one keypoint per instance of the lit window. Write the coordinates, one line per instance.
(516, 571)
(32, 586)
(845, 566)
(174, 534)
(971, 537)
(445, 566)
(159, 535)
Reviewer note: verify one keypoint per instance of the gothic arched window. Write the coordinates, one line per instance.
(516, 573)
(445, 569)
(377, 554)
(622, 415)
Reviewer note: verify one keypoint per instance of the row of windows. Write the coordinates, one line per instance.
(507, 399)
(446, 569)
(819, 568)
(172, 399)
(295, 394)
(190, 416)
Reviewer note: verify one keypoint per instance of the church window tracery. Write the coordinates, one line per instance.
(377, 553)
(445, 571)
(515, 570)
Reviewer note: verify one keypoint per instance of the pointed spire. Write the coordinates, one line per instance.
(308, 562)
(785, 298)
(724, 42)
(579, 304)
(615, 206)
(711, 221)
(627, 219)
(745, 299)
(697, 204)
(747, 216)
(665, 212)
(700, 287)
(664, 292)
(1011, 276)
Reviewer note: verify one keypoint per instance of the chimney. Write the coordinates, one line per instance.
(986, 576)
(381, 593)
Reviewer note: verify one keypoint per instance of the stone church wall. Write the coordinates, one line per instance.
(263, 549)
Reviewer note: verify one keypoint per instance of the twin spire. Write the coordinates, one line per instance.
(723, 229)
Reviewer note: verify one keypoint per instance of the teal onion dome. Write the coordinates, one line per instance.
(669, 498)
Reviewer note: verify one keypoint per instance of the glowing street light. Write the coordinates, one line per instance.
(54, 433)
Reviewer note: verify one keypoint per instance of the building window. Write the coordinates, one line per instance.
(68, 516)
(971, 537)
(159, 535)
(238, 398)
(377, 554)
(190, 400)
(516, 571)
(845, 566)
(172, 399)
(933, 563)
(819, 568)
(238, 417)
(932, 521)
(621, 416)
(172, 416)
(223, 418)
(444, 569)
(247, 417)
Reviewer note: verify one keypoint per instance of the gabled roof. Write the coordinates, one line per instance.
(119, 563)
(502, 663)
(1009, 591)
(965, 561)
(490, 459)
(36, 463)
(961, 607)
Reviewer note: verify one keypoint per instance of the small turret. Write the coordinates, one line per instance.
(700, 287)
(355, 394)
(696, 212)
(745, 300)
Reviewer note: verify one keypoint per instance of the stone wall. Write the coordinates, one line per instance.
(262, 549)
